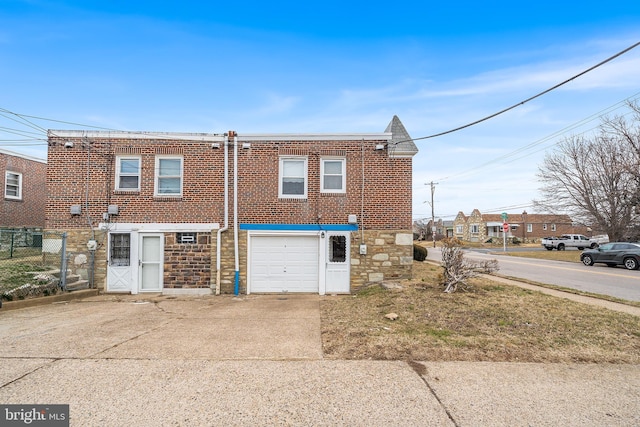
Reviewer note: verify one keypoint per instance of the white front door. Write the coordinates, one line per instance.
(338, 273)
(151, 262)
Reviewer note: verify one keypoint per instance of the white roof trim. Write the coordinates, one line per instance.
(24, 156)
(383, 136)
(184, 136)
(395, 154)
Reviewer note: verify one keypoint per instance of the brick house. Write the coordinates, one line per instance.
(24, 198)
(242, 213)
(478, 227)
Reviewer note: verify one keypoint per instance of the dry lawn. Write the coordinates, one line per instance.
(490, 322)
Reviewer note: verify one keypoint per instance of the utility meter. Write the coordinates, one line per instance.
(92, 245)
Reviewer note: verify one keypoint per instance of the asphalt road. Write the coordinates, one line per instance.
(599, 279)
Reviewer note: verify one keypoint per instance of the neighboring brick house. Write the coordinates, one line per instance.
(24, 198)
(202, 213)
(478, 227)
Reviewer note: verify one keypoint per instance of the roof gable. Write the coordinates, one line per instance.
(401, 143)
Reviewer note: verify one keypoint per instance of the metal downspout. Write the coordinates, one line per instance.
(225, 227)
(236, 289)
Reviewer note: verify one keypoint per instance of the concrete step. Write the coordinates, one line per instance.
(77, 285)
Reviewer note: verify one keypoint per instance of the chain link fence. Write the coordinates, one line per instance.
(33, 262)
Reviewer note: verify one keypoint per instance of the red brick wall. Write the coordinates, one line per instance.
(67, 180)
(30, 210)
(387, 184)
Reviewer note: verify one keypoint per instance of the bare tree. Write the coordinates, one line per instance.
(627, 130)
(595, 179)
(457, 269)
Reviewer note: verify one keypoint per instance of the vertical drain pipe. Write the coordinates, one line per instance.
(236, 289)
(226, 212)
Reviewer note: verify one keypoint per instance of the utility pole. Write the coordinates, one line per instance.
(433, 216)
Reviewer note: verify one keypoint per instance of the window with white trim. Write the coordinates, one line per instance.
(333, 175)
(13, 185)
(168, 176)
(544, 227)
(529, 228)
(128, 173)
(474, 228)
(459, 229)
(292, 177)
(553, 227)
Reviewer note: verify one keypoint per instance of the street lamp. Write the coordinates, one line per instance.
(524, 226)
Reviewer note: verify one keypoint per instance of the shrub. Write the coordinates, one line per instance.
(419, 253)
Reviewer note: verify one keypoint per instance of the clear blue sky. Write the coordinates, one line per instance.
(330, 66)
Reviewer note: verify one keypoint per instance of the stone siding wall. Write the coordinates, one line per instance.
(187, 265)
(389, 256)
(77, 245)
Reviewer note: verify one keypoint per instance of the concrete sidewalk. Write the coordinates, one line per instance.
(257, 360)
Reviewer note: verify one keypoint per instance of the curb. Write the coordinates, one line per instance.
(32, 302)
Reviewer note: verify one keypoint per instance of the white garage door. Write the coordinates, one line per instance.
(284, 263)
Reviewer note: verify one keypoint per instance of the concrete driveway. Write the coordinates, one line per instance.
(257, 360)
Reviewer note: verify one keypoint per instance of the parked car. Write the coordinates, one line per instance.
(614, 254)
(568, 241)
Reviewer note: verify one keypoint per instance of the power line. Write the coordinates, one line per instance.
(611, 58)
(547, 138)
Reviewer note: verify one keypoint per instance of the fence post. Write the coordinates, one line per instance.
(13, 234)
(63, 263)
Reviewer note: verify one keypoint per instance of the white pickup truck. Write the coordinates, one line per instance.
(568, 241)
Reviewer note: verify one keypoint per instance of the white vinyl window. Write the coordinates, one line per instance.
(128, 173)
(13, 185)
(168, 176)
(474, 228)
(544, 227)
(553, 227)
(333, 176)
(459, 229)
(293, 177)
(529, 228)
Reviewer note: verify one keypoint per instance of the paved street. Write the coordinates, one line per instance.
(598, 279)
(257, 360)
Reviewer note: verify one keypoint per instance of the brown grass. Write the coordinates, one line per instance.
(491, 322)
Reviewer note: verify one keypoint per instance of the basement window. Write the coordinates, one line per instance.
(186, 238)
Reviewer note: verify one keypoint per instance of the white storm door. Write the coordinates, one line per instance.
(151, 262)
(338, 273)
(119, 269)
